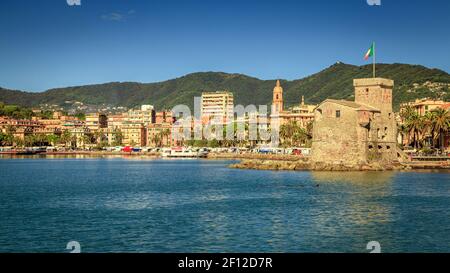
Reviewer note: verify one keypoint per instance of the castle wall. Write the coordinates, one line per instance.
(365, 130)
(382, 138)
(337, 139)
(381, 142)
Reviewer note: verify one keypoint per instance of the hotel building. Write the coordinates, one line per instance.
(217, 107)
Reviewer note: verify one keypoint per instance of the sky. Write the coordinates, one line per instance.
(47, 43)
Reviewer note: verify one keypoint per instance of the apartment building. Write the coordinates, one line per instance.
(217, 107)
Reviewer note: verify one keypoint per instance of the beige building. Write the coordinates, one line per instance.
(134, 134)
(115, 121)
(96, 121)
(358, 132)
(425, 105)
(159, 135)
(217, 106)
(145, 115)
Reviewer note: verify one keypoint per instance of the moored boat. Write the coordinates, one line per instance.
(181, 152)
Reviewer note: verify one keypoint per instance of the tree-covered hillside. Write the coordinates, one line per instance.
(411, 81)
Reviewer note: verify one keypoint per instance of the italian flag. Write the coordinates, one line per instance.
(370, 52)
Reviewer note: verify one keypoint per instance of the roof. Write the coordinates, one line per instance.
(357, 106)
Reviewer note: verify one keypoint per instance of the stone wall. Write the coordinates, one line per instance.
(357, 132)
(335, 139)
(382, 130)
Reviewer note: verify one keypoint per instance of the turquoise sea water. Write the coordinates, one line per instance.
(147, 205)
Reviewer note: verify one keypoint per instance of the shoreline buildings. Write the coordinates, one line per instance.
(361, 130)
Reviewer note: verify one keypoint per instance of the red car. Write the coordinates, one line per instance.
(127, 149)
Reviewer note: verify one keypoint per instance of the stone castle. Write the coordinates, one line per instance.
(357, 132)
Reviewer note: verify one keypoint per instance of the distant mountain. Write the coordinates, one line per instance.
(411, 81)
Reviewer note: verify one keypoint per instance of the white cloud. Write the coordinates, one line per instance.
(118, 16)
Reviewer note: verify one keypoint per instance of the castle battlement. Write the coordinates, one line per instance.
(387, 83)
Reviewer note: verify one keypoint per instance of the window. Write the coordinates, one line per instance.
(338, 113)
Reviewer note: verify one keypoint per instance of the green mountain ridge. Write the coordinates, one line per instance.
(335, 82)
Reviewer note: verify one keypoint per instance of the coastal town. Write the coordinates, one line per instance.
(360, 131)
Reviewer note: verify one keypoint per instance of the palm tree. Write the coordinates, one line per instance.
(165, 134)
(292, 134)
(66, 137)
(118, 137)
(406, 113)
(403, 132)
(286, 133)
(29, 140)
(87, 139)
(414, 123)
(441, 125)
(53, 139)
(157, 140)
(18, 142)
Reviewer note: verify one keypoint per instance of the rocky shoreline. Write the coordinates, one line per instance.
(279, 162)
(304, 165)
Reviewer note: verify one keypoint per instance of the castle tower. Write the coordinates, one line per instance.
(303, 101)
(277, 103)
(382, 131)
(376, 92)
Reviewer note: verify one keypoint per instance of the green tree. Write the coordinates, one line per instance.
(80, 115)
(441, 125)
(2, 138)
(118, 137)
(415, 125)
(66, 138)
(165, 134)
(53, 139)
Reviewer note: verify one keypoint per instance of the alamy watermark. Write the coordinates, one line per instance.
(374, 246)
(74, 247)
(374, 2)
(73, 2)
(249, 123)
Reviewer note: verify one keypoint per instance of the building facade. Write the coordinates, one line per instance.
(217, 107)
(302, 114)
(425, 105)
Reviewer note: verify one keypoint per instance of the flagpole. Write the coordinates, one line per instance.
(374, 56)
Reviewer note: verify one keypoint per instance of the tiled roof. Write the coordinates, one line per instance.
(352, 104)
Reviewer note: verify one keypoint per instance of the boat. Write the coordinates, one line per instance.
(27, 151)
(181, 152)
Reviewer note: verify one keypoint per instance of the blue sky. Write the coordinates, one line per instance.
(47, 43)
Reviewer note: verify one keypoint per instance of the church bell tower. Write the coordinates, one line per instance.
(277, 102)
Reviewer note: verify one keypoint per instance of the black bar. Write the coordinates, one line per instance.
(224, 262)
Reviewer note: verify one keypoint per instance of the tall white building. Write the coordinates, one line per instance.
(217, 106)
